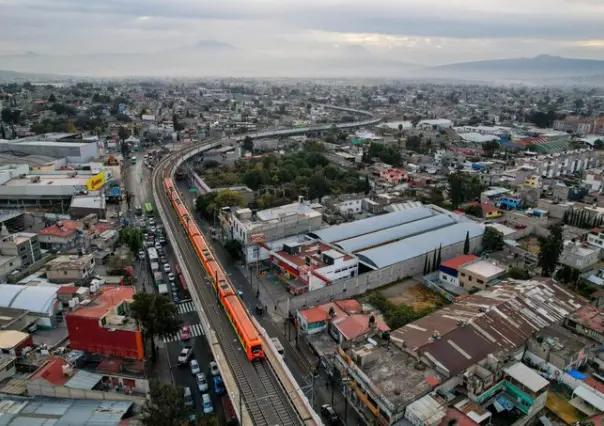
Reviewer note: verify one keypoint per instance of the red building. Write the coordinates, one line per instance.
(102, 325)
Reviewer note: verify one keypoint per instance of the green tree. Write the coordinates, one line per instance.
(490, 147)
(204, 204)
(123, 133)
(318, 187)
(165, 405)
(229, 198)
(52, 98)
(599, 144)
(466, 244)
(550, 249)
(518, 273)
(463, 187)
(133, 238)
(157, 315)
(492, 239)
(255, 178)
(473, 210)
(248, 144)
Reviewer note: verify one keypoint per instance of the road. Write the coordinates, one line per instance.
(138, 182)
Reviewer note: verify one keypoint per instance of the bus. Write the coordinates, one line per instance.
(133, 160)
(149, 209)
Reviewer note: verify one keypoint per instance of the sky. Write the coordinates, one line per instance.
(424, 32)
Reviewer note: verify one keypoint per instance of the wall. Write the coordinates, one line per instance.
(371, 280)
(88, 335)
(9, 266)
(42, 388)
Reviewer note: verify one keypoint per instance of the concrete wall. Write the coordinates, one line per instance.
(42, 388)
(372, 280)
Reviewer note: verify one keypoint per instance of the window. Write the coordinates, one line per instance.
(463, 275)
(64, 272)
(480, 281)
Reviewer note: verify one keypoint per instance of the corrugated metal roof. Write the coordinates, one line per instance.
(36, 299)
(372, 224)
(400, 232)
(84, 380)
(389, 254)
(527, 376)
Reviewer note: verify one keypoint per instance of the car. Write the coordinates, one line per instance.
(141, 255)
(194, 366)
(207, 404)
(329, 413)
(157, 245)
(185, 354)
(214, 369)
(175, 298)
(259, 308)
(218, 385)
(163, 241)
(167, 268)
(151, 221)
(185, 333)
(171, 277)
(161, 252)
(189, 401)
(173, 287)
(202, 382)
(163, 259)
(152, 229)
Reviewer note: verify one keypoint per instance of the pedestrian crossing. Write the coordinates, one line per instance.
(185, 307)
(195, 330)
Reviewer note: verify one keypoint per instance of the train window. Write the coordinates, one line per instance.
(256, 349)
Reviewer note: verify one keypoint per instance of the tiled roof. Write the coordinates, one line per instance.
(459, 261)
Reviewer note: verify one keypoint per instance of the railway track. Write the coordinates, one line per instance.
(265, 399)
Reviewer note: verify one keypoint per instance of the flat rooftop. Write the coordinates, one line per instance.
(484, 268)
(105, 303)
(278, 213)
(315, 252)
(54, 143)
(56, 180)
(394, 373)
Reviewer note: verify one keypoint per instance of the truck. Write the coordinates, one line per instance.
(158, 277)
(152, 253)
(154, 266)
(162, 289)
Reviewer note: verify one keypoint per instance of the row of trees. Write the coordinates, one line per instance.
(583, 219)
(387, 154)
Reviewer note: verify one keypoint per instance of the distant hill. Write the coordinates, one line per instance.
(543, 66)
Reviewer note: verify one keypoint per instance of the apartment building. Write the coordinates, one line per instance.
(558, 164)
(66, 269)
(26, 245)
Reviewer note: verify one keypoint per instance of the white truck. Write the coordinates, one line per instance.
(162, 288)
(152, 253)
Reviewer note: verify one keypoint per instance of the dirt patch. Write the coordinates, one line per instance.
(530, 244)
(418, 297)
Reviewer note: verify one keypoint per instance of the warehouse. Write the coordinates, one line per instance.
(75, 151)
(40, 301)
(370, 225)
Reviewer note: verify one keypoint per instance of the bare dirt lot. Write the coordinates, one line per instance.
(412, 293)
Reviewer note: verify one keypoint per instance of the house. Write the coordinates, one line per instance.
(26, 245)
(533, 181)
(479, 274)
(449, 269)
(587, 321)
(393, 176)
(63, 236)
(579, 255)
(13, 342)
(66, 269)
(101, 324)
(314, 320)
(489, 211)
(357, 327)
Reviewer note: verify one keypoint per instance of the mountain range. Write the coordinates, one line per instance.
(217, 58)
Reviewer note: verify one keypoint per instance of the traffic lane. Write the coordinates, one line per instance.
(182, 374)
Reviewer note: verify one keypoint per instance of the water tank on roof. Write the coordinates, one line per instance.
(73, 303)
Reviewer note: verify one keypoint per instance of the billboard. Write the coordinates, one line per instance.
(257, 238)
(96, 182)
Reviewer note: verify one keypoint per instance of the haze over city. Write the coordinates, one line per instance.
(293, 38)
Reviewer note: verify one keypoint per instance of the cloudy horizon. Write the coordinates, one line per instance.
(423, 32)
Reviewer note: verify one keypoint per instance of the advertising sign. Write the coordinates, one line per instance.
(96, 182)
(257, 238)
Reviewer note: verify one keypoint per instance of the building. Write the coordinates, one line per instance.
(596, 238)
(13, 342)
(40, 302)
(579, 256)
(25, 245)
(316, 319)
(64, 236)
(67, 269)
(533, 181)
(479, 274)
(268, 225)
(314, 263)
(9, 265)
(587, 321)
(488, 211)
(493, 195)
(449, 269)
(101, 324)
(75, 151)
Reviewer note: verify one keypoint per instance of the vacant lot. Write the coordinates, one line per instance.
(530, 244)
(418, 297)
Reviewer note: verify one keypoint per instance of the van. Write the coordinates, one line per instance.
(189, 402)
(207, 404)
(278, 346)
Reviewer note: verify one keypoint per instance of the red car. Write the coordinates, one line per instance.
(185, 333)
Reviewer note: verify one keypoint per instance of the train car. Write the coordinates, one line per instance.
(247, 333)
(238, 316)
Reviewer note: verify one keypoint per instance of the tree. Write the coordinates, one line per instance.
(366, 185)
(233, 248)
(248, 144)
(466, 244)
(463, 187)
(490, 147)
(518, 273)
(318, 186)
(157, 315)
(132, 237)
(205, 205)
(599, 144)
(473, 210)
(52, 98)
(492, 239)
(550, 249)
(229, 198)
(123, 133)
(165, 406)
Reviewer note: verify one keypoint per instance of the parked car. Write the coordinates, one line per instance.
(167, 268)
(218, 385)
(185, 333)
(202, 382)
(157, 245)
(207, 404)
(175, 298)
(214, 369)
(185, 354)
(141, 255)
(171, 277)
(194, 366)
(329, 413)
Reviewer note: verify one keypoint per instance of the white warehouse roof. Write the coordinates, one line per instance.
(35, 299)
(369, 225)
(400, 232)
(383, 256)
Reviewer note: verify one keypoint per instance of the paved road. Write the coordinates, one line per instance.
(298, 364)
(137, 179)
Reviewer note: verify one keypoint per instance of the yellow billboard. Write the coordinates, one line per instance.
(96, 182)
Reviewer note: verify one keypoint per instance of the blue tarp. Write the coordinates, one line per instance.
(577, 374)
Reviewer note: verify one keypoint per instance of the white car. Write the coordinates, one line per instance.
(141, 255)
(171, 277)
(202, 383)
(185, 354)
(157, 245)
(167, 268)
(214, 369)
(194, 365)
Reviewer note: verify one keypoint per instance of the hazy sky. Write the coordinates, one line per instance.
(420, 31)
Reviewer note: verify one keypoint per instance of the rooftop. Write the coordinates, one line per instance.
(48, 180)
(59, 372)
(37, 299)
(589, 317)
(69, 262)
(523, 374)
(499, 318)
(11, 338)
(356, 325)
(19, 237)
(64, 228)
(484, 268)
(105, 304)
(315, 252)
(341, 308)
(459, 261)
(279, 213)
(562, 341)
